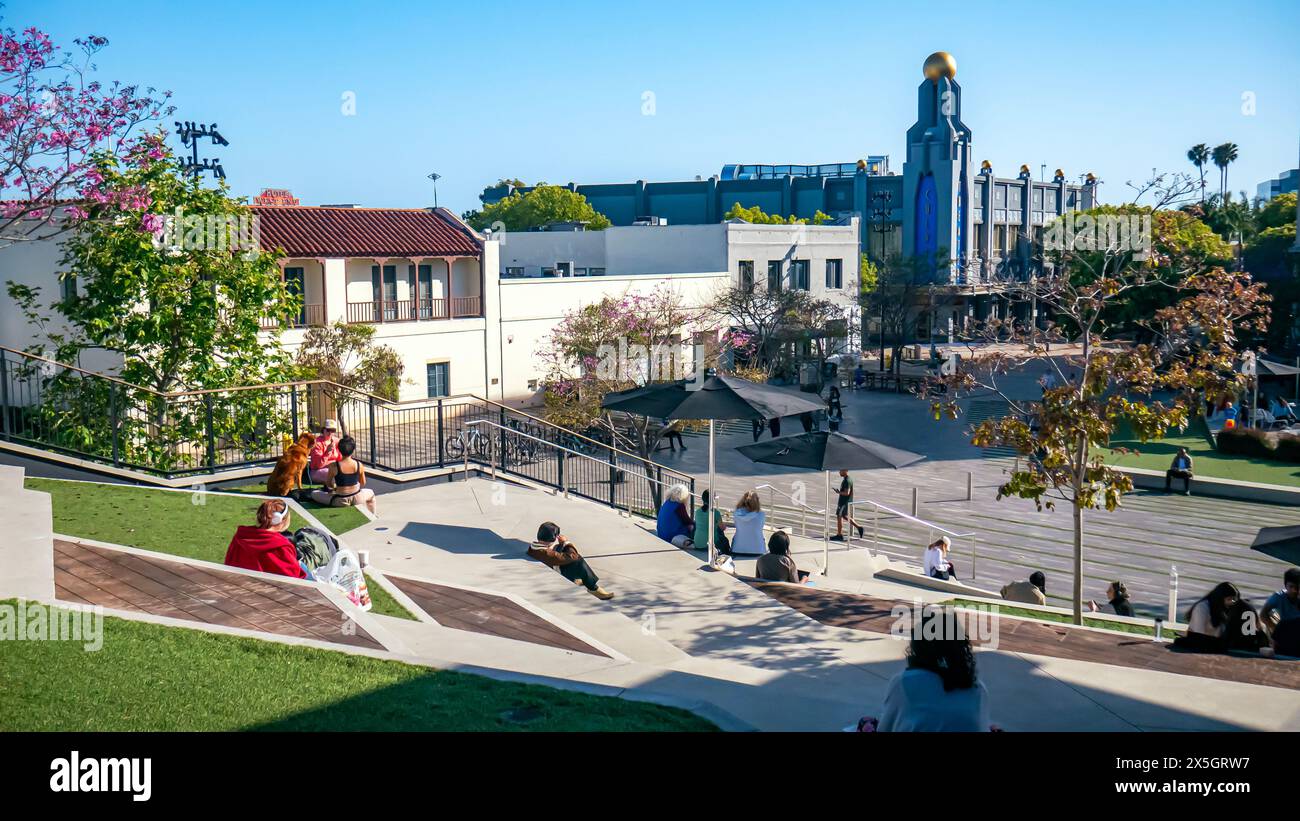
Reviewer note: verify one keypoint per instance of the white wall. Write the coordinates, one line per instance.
(531, 308)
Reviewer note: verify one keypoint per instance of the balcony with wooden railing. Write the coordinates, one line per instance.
(411, 310)
(311, 316)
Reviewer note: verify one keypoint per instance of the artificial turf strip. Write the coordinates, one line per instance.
(383, 603)
(194, 525)
(337, 519)
(1158, 454)
(147, 677)
(1039, 615)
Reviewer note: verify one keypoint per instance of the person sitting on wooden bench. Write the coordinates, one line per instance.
(553, 550)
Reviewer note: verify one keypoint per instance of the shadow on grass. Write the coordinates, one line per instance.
(448, 701)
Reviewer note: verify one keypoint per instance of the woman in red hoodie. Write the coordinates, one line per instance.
(265, 547)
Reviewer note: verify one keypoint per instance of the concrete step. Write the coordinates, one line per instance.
(26, 551)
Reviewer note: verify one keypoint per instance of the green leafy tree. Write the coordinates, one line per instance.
(1106, 383)
(170, 281)
(1223, 156)
(757, 216)
(1199, 156)
(541, 206)
(346, 356)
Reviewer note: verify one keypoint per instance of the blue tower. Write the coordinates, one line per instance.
(937, 174)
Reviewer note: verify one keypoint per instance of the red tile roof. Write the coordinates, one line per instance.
(301, 231)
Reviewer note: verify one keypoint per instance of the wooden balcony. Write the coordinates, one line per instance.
(412, 310)
(312, 315)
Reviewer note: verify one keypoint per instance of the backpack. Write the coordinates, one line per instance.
(315, 547)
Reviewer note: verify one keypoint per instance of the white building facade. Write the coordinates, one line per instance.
(469, 314)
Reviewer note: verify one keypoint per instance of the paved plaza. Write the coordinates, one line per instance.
(1209, 540)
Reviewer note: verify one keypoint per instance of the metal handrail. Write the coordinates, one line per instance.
(359, 394)
(572, 453)
(798, 503)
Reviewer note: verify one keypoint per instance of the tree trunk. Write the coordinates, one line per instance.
(1077, 607)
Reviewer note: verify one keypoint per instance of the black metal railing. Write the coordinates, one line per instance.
(64, 409)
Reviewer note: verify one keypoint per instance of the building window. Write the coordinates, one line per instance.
(564, 269)
(68, 287)
(834, 274)
(438, 375)
(799, 275)
(747, 275)
(774, 276)
(385, 290)
(579, 272)
(514, 273)
(595, 272)
(293, 283)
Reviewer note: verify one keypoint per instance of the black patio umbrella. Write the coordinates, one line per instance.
(825, 451)
(1257, 366)
(718, 397)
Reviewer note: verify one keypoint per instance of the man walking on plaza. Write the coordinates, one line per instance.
(844, 508)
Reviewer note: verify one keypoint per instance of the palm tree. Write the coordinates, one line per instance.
(1199, 154)
(1223, 155)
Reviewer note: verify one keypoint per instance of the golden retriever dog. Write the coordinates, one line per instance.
(287, 475)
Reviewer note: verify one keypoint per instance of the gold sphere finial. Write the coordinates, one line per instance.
(941, 63)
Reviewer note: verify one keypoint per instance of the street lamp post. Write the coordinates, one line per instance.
(881, 225)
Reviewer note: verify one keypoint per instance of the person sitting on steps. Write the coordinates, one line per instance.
(553, 550)
(777, 565)
(937, 565)
(1033, 591)
(1180, 468)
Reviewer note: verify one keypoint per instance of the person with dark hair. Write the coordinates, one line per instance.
(1207, 621)
(1033, 591)
(345, 481)
(1118, 599)
(939, 691)
(1283, 605)
(554, 550)
(264, 547)
(834, 405)
(1180, 468)
(702, 517)
(758, 429)
(777, 565)
(844, 508)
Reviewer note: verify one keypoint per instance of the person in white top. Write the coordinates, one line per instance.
(938, 692)
(749, 518)
(937, 565)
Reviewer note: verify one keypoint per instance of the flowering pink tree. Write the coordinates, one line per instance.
(620, 343)
(53, 119)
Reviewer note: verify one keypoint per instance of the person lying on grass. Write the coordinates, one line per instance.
(264, 546)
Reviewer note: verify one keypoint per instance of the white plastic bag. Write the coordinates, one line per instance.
(344, 572)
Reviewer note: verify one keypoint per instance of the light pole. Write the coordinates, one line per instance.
(881, 225)
(435, 176)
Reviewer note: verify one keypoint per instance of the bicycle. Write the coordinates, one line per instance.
(473, 440)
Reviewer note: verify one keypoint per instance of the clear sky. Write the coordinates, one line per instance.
(554, 91)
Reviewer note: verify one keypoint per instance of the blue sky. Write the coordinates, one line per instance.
(554, 91)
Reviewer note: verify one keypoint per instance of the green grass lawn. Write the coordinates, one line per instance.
(147, 677)
(197, 526)
(1158, 454)
(170, 522)
(336, 519)
(1006, 610)
(383, 603)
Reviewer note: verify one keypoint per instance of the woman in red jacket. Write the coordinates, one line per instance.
(265, 547)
